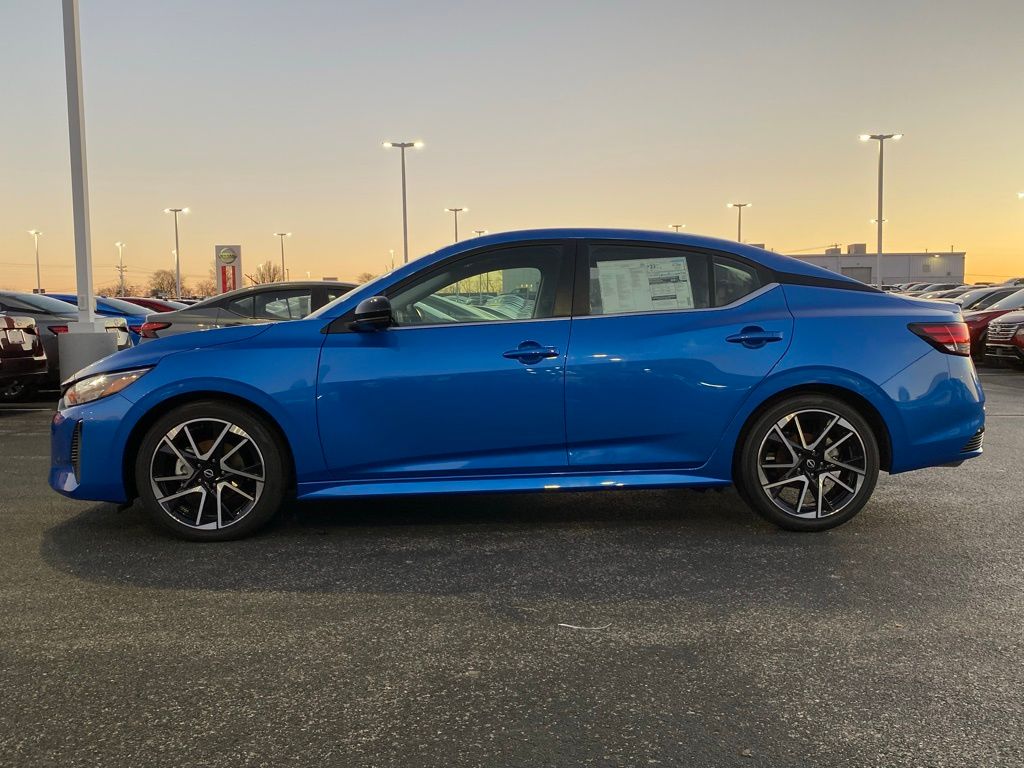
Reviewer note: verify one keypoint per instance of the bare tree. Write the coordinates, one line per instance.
(162, 283)
(207, 287)
(364, 277)
(114, 289)
(267, 272)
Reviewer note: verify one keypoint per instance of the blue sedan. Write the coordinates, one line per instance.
(133, 314)
(550, 360)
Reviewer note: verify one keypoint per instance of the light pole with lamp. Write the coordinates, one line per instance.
(177, 259)
(281, 236)
(455, 212)
(739, 218)
(404, 145)
(881, 139)
(677, 227)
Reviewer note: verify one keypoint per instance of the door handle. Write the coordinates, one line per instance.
(754, 337)
(530, 352)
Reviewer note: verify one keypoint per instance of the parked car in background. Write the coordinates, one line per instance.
(133, 314)
(979, 298)
(946, 293)
(153, 305)
(930, 288)
(978, 320)
(52, 317)
(22, 357)
(691, 362)
(266, 303)
(1005, 338)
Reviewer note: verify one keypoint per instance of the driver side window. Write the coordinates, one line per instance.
(519, 283)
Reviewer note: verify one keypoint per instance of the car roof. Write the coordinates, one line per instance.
(774, 261)
(293, 284)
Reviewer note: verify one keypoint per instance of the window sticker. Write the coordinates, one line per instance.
(644, 285)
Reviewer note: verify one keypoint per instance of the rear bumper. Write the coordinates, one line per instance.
(939, 412)
(22, 368)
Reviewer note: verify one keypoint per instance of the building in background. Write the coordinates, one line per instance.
(858, 263)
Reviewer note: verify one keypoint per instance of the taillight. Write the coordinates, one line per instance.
(951, 338)
(135, 328)
(58, 328)
(148, 330)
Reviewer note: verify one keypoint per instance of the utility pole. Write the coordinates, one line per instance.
(121, 268)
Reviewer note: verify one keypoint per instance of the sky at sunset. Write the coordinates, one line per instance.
(268, 116)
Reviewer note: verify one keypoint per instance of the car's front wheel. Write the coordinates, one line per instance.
(210, 471)
(808, 463)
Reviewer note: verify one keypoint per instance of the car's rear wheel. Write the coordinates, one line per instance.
(808, 463)
(210, 471)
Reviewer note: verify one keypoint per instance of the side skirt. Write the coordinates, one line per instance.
(507, 484)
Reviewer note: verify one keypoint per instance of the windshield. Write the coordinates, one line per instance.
(29, 302)
(1013, 301)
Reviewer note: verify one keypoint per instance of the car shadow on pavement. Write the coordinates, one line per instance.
(610, 545)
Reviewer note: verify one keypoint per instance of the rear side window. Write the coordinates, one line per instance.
(638, 278)
(282, 305)
(242, 306)
(733, 280)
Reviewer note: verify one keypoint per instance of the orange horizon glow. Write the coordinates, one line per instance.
(526, 122)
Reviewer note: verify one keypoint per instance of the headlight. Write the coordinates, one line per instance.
(100, 386)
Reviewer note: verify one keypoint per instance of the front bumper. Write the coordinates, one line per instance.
(1009, 352)
(83, 440)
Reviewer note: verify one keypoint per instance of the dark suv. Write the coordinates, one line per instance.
(22, 357)
(266, 303)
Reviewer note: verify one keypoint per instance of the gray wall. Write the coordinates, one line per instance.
(896, 267)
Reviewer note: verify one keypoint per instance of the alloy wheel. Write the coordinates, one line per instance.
(207, 473)
(811, 463)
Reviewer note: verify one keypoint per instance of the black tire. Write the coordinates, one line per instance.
(838, 463)
(198, 424)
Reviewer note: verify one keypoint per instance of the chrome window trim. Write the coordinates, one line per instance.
(489, 323)
(742, 300)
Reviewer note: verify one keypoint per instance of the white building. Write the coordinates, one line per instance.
(933, 266)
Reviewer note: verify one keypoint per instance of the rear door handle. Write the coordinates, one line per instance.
(754, 336)
(530, 352)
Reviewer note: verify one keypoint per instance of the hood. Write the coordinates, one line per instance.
(151, 353)
(1015, 316)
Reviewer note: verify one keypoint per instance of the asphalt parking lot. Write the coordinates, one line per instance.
(432, 631)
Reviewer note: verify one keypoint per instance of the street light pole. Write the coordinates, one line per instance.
(177, 258)
(282, 236)
(455, 212)
(35, 236)
(677, 227)
(739, 218)
(479, 232)
(404, 145)
(880, 138)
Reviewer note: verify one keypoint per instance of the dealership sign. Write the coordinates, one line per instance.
(228, 267)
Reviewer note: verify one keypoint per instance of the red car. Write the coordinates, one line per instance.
(1006, 338)
(21, 350)
(978, 322)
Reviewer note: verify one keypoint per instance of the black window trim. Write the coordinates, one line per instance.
(769, 277)
(563, 291)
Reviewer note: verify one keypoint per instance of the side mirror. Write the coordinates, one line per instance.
(372, 314)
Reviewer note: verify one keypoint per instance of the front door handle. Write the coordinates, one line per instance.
(530, 352)
(754, 336)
